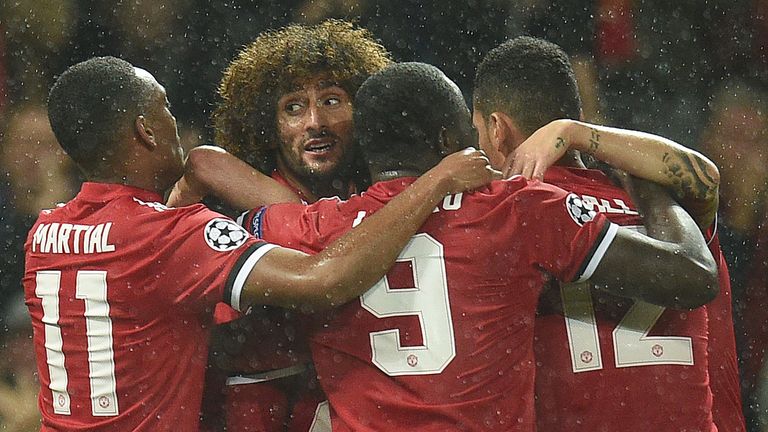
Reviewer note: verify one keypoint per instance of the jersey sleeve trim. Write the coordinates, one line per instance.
(598, 251)
(241, 270)
(242, 220)
(714, 231)
(252, 221)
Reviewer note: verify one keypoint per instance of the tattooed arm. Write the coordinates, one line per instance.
(692, 178)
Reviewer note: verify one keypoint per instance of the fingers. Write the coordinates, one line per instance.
(478, 156)
(482, 162)
(470, 169)
(525, 165)
(490, 173)
(518, 166)
(528, 170)
(508, 169)
(494, 174)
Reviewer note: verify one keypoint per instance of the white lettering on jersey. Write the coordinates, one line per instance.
(64, 238)
(64, 231)
(605, 206)
(40, 234)
(358, 219)
(78, 229)
(450, 203)
(53, 232)
(153, 205)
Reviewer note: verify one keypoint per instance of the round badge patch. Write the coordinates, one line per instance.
(580, 211)
(224, 235)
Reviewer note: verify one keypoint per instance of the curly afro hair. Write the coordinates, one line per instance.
(276, 63)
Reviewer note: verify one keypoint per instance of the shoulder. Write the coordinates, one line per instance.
(182, 220)
(296, 209)
(198, 225)
(153, 207)
(582, 179)
(518, 186)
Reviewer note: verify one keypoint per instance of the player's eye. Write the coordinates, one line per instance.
(332, 101)
(293, 107)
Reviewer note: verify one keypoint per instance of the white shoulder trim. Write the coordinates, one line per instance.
(594, 261)
(244, 271)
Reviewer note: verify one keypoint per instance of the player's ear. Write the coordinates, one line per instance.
(444, 143)
(504, 134)
(144, 133)
(497, 131)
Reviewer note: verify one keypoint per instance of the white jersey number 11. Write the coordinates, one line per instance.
(91, 287)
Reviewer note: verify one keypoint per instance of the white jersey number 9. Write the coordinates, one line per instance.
(427, 300)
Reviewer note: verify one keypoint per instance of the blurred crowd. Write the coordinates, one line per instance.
(693, 71)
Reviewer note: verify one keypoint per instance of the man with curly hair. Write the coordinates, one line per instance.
(286, 109)
(409, 355)
(120, 287)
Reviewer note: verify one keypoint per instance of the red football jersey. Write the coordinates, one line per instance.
(121, 291)
(618, 364)
(274, 338)
(723, 362)
(444, 341)
(270, 339)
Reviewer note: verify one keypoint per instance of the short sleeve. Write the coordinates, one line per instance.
(206, 259)
(298, 226)
(567, 238)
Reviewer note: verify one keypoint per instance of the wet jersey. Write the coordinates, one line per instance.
(444, 341)
(608, 364)
(266, 346)
(121, 291)
(727, 411)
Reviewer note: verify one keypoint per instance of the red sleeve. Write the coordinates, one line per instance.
(224, 313)
(567, 238)
(297, 226)
(208, 256)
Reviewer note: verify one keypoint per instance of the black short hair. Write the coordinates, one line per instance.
(92, 104)
(400, 112)
(530, 79)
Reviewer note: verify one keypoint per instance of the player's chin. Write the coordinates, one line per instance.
(322, 165)
(321, 172)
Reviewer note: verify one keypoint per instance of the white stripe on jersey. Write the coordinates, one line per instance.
(245, 270)
(599, 253)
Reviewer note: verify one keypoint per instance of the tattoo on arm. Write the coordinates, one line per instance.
(560, 143)
(689, 176)
(594, 141)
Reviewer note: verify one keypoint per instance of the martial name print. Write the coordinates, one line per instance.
(66, 238)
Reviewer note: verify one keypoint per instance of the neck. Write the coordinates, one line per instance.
(142, 183)
(137, 177)
(314, 189)
(337, 187)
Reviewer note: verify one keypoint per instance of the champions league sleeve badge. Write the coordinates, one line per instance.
(581, 212)
(224, 235)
